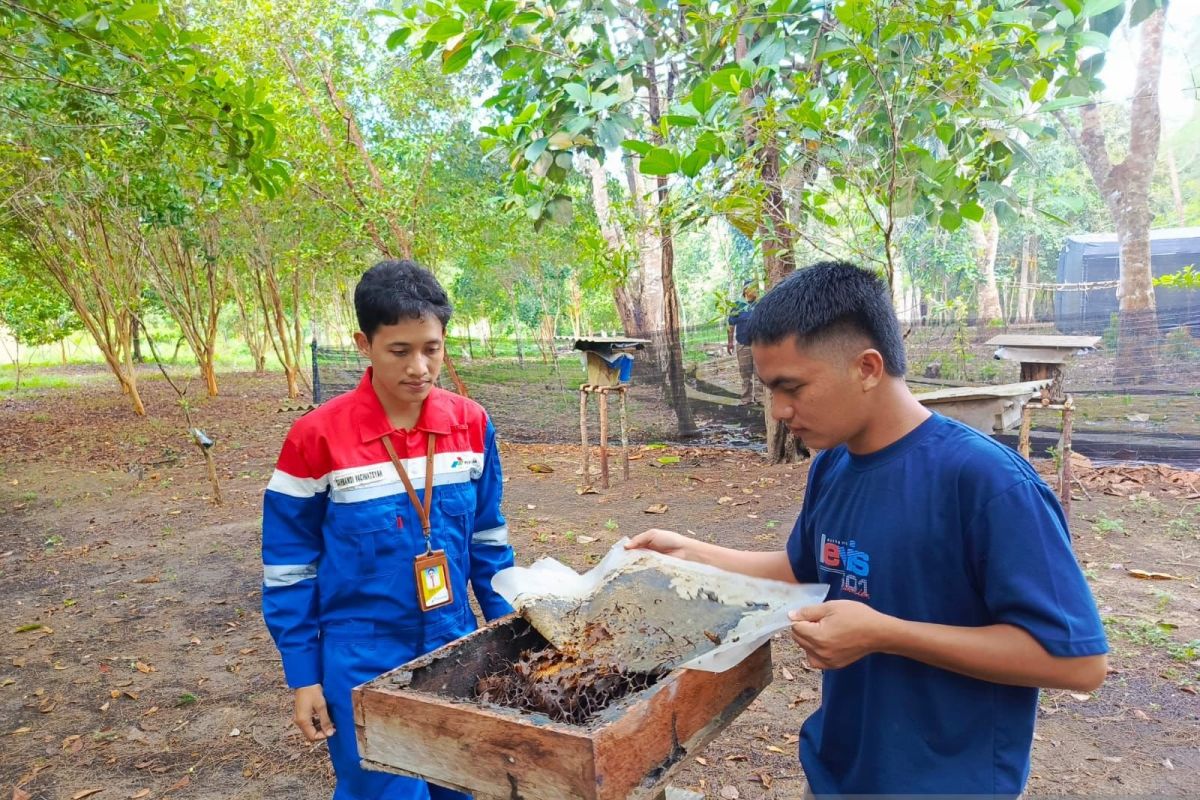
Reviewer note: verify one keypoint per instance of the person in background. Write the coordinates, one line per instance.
(739, 342)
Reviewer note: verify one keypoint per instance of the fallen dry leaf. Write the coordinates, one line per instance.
(1151, 576)
(179, 784)
(724, 500)
(1166, 762)
(21, 794)
(143, 667)
(541, 468)
(148, 579)
(585, 539)
(729, 792)
(139, 794)
(763, 778)
(1080, 696)
(774, 749)
(586, 490)
(82, 793)
(735, 757)
(702, 761)
(787, 674)
(656, 508)
(21, 731)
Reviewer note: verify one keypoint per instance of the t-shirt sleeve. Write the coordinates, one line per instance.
(1028, 573)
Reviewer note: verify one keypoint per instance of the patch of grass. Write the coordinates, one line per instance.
(1104, 524)
(611, 525)
(1156, 635)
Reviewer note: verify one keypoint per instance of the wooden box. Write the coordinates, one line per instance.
(421, 719)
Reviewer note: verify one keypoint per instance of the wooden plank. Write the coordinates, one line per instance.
(639, 751)
(1042, 340)
(475, 749)
(1004, 390)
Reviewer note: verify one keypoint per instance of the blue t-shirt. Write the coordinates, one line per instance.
(739, 320)
(944, 526)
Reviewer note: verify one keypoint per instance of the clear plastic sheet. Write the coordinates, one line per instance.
(650, 612)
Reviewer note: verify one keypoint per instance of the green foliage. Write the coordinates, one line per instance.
(1186, 278)
(32, 311)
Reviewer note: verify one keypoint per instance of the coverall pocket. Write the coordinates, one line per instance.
(368, 541)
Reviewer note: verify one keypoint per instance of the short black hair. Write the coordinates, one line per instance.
(394, 290)
(827, 300)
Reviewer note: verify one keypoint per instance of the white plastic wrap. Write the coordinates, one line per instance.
(652, 612)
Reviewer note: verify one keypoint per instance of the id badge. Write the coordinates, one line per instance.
(433, 580)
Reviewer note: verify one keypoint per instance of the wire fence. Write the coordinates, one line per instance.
(531, 388)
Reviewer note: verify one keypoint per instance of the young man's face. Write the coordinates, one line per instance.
(406, 358)
(819, 393)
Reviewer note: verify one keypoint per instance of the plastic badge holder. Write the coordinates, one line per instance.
(652, 612)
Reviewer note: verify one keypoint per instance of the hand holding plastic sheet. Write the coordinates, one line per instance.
(652, 612)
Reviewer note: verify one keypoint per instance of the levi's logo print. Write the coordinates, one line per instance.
(845, 559)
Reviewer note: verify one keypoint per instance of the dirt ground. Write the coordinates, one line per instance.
(134, 662)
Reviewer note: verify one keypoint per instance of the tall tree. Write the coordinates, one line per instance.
(1125, 188)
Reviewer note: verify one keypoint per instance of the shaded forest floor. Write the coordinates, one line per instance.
(134, 660)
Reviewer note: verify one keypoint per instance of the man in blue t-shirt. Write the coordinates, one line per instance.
(954, 592)
(739, 337)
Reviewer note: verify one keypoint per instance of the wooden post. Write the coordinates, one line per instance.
(603, 437)
(1023, 438)
(1064, 475)
(624, 435)
(583, 436)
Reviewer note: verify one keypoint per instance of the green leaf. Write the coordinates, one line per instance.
(525, 18)
(641, 148)
(457, 58)
(1092, 39)
(444, 29)
(659, 161)
(398, 37)
(1092, 8)
(694, 162)
(501, 9)
(1141, 10)
(702, 97)
(668, 460)
(560, 209)
(141, 11)
(579, 94)
(950, 220)
(971, 210)
(1065, 102)
(1038, 90)
(535, 150)
(608, 134)
(681, 121)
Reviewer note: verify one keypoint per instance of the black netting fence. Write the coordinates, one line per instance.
(1137, 391)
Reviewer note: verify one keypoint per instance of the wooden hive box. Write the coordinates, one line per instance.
(421, 719)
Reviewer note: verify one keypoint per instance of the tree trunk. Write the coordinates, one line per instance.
(986, 236)
(627, 292)
(1125, 188)
(1176, 192)
(660, 288)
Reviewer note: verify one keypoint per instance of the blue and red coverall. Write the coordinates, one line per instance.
(340, 535)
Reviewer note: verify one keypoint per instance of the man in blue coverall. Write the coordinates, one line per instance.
(344, 538)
